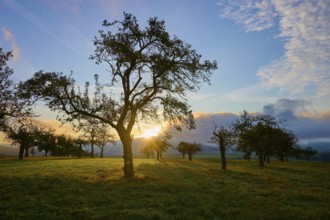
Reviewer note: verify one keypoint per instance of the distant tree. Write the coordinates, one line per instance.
(80, 142)
(47, 142)
(153, 70)
(189, 148)
(65, 146)
(224, 137)
(284, 143)
(90, 129)
(240, 125)
(308, 152)
(158, 144)
(103, 137)
(23, 131)
(161, 144)
(148, 150)
(182, 149)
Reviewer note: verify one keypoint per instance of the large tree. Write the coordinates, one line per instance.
(153, 70)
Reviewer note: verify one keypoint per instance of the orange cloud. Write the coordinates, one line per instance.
(9, 37)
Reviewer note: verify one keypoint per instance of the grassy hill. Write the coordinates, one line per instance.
(58, 188)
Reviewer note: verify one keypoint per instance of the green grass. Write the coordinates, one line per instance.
(39, 188)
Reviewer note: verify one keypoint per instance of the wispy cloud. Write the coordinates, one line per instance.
(9, 37)
(69, 31)
(304, 26)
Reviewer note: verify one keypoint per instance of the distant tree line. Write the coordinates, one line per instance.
(262, 134)
(19, 124)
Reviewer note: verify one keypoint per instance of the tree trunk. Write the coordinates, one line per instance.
(261, 159)
(158, 155)
(223, 157)
(102, 149)
(190, 156)
(80, 150)
(126, 140)
(268, 158)
(21, 152)
(92, 146)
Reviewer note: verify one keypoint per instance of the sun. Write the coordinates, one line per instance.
(151, 132)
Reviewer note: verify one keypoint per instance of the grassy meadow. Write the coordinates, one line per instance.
(60, 188)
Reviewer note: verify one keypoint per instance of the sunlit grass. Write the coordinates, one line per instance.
(170, 189)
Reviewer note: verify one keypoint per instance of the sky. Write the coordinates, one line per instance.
(273, 55)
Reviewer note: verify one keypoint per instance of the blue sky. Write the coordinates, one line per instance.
(270, 52)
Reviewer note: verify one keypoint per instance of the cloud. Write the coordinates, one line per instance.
(305, 28)
(307, 124)
(252, 15)
(9, 37)
(287, 108)
(299, 115)
(204, 127)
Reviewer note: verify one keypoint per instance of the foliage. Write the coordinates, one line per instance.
(12, 105)
(153, 69)
(60, 188)
(189, 148)
(23, 131)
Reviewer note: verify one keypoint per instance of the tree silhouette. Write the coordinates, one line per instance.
(189, 148)
(240, 125)
(103, 137)
(224, 138)
(23, 131)
(153, 70)
(158, 144)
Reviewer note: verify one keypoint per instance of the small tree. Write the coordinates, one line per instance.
(158, 144)
(80, 142)
(47, 142)
(224, 138)
(308, 152)
(103, 137)
(23, 131)
(90, 129)
(189, 148)
(182, 149)
(148, 150)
